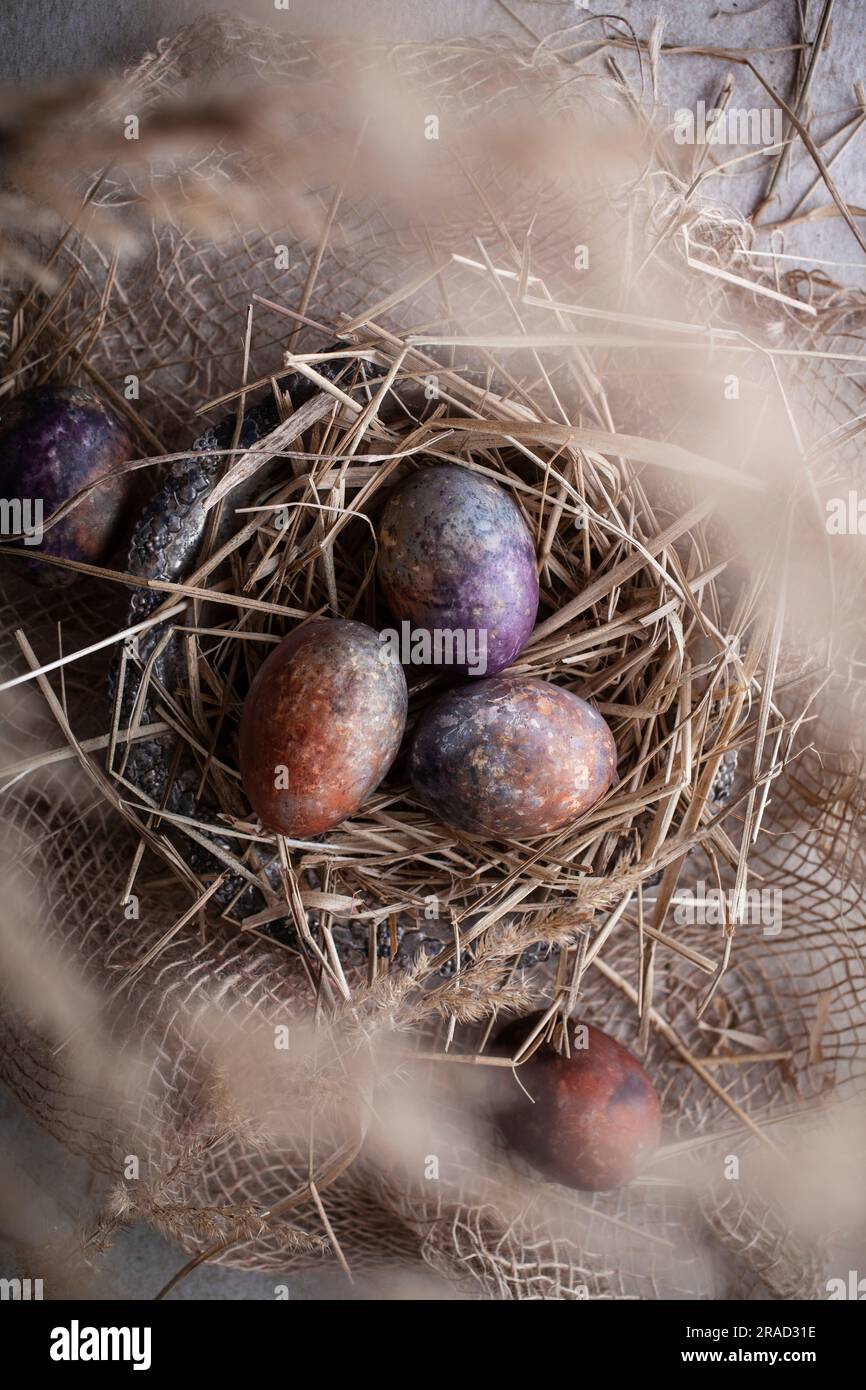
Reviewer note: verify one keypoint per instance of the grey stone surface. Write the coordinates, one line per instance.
(50, 38)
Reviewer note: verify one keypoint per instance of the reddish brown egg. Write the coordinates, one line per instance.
(595, 1120)
(320, 726)
(511, 756)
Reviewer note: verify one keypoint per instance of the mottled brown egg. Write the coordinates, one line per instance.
(511, 756)
(591, 1120)
(320, 726)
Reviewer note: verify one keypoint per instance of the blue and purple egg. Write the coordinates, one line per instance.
(456, 556)
(54, 441)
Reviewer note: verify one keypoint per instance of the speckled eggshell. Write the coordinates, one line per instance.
(593, 1120)
(455, 554)
(511, 757)
(53, 442)
(320, 726)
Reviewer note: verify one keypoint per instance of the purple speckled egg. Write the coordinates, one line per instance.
(590, 1120)
(456, 561)
(53, 442)
(511, 757)
(321, 726)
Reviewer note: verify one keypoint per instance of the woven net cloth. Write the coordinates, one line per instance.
(133, 1081)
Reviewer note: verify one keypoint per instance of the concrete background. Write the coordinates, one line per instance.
(59, 38)
(42, 39)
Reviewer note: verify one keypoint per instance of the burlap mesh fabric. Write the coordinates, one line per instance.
(184, 305)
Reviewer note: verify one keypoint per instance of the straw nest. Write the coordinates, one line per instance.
(639, 613)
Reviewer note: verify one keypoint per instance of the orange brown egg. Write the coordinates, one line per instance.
(590, 1120)
(320, 726)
